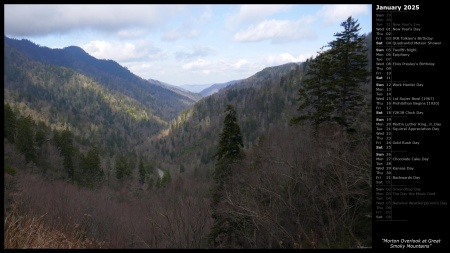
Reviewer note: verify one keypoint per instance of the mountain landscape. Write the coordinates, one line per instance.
(102, 158)
(216, 87)
(197, 88)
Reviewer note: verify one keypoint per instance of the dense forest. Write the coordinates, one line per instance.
(95, 157)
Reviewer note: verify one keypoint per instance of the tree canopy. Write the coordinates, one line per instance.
(331, 90)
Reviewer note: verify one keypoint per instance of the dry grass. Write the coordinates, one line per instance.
(27, 232)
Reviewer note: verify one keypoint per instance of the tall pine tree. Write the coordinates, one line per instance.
(142, 171)
(91, 166)
(230, 142)
(349, 52)
(318, 92)
(25, 138)
(229, 152)
(9, 123)
(64, 142)
(331, 90)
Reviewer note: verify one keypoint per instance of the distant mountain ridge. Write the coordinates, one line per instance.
(109, 73)
(216, 87)
(177, 89)
(166, 84)
(195, 87)
(203, 89)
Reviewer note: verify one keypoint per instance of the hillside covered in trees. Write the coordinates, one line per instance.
(100, 158)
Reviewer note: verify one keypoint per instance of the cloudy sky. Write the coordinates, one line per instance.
(186, 44)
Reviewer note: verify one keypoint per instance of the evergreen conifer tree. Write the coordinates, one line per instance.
(229, 151)
(349, 52)
(9, 131)
(318, 92)
(67, 150)
(142, 171)
(331, 90)
(25, 138)
(92, 167)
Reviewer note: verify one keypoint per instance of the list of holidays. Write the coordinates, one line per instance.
(410, 125)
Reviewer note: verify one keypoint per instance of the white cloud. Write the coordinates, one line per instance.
(42, 19)
(206, 15)
(180, 33)
(278, 31)
(172, 35)
(224, 67)
(240, 63)
(340, 12)
(200, 64)
(139, 68)
(274, 60)
(255, 13)
(123, 51)
(304, 57)
(131, 33)
(194, 52)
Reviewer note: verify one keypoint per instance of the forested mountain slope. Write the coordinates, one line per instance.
(160, 101)
(263, 101)
(63, 98)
